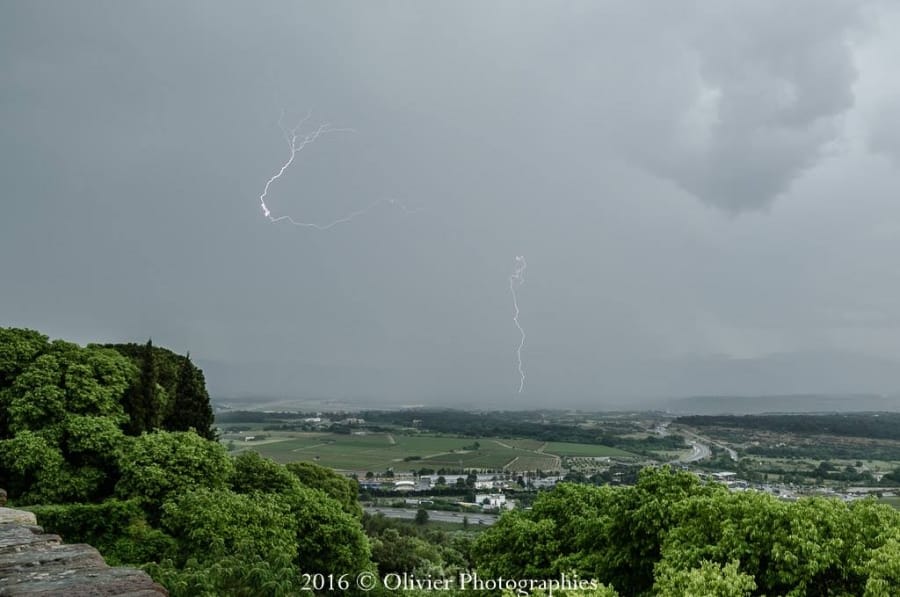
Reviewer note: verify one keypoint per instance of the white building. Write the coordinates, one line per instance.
(490, 501)
(404, 485)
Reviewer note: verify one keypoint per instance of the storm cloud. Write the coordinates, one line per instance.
(705, 193)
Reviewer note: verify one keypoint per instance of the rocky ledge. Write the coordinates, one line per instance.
(35, 563)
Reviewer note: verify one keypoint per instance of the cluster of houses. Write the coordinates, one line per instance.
(489, 487)
(787, 491)
(483, 481)
(488, 502)
(319, 422)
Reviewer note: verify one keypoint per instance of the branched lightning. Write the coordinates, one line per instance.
(517, 279)
(297, 142)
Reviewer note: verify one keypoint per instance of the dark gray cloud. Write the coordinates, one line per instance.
(136, 138)
(731, 104)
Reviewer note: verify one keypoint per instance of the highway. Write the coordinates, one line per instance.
(700, 443)
(698, 452)
(435, 515)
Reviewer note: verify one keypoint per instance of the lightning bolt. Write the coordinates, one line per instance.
(297, 142)
(517, 279)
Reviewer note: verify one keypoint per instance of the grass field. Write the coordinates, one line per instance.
(381, 451)
(565, 449)
(523, 444)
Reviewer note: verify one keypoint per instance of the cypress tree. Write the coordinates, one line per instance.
(141, 399)
(191, 408)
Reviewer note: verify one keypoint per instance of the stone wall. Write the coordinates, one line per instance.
(37, 564)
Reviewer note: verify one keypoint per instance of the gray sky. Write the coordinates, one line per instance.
(706, 195)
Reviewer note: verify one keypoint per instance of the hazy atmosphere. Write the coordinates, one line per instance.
(706, 196)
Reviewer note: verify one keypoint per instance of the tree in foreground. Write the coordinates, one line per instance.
(158, 465)
(62, 418)
(673, 535)
(709, 578)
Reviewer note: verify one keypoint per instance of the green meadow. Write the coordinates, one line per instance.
(380, 451)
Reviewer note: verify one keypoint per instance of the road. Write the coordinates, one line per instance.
(698, 452)
(435, 515)
(700, 447)
(731, 453)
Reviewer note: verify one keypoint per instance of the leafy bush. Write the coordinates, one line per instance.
(158, 465)
(212, 523)
(116, 528)
(672, 535)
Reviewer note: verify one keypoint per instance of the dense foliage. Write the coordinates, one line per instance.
(61, 418)
(110, 446)
(170, 392)
(485, 424)
(672, 535)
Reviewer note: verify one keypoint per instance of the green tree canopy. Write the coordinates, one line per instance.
(61, 404)
(213, 523)
(253, 473)
(31, 468)
(672, 535)
(708, 579)
(67, 379)
(173, 373)
(329, 539)
(157, 465)
(343, 489)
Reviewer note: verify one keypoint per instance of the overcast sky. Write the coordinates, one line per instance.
(706, 193)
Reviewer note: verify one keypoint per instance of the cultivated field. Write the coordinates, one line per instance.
(380, 451)
(587, 450)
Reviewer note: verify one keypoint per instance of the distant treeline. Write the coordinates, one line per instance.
(829, 451)
(867, 425)
(521, 425)
(469, 424)
(250, 416)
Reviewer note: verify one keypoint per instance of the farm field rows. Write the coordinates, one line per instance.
(533, 462)
(566, 449)
(380, 451)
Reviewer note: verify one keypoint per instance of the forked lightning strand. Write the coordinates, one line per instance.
(297, 142)
(517, 279)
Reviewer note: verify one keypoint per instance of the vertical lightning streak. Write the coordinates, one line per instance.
(517, 279)
(297, 142)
